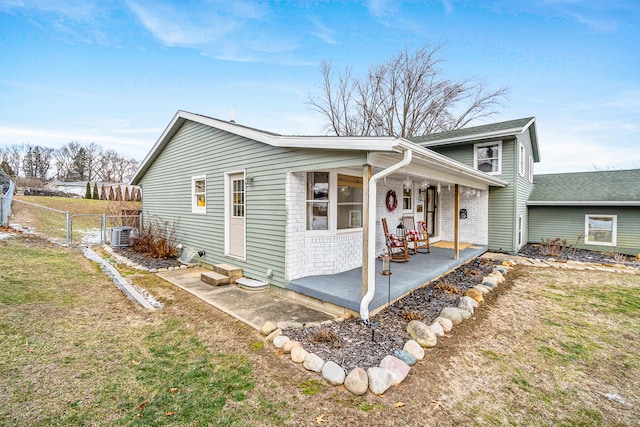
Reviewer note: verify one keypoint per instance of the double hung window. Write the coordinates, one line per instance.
(487, 157)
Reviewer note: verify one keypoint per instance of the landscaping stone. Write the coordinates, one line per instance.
(407, 357)
(475, 294)
(282, 325)
(279, 341)
(357, 382)
(501, 268)
(313, 362)
(414, 349)
(422, 334)
(273, 334)
(333, 373)
(437, 329)
(490, 280)
(268, 327)
(295, 325)
(396, 366)
(289, 345)
(489, 285)
(467, 303)
(447, 324)
(464, 314)
(311, 325)
(380, 380)
(481, 289)
(451, 313)
(298, 354)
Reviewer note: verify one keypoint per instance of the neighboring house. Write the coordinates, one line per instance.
(505, 150)
(285, 207)
(597, 210)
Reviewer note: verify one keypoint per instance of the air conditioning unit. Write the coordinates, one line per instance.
(122, 236)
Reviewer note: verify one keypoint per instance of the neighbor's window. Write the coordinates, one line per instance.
(487, 157)
(600, 230)
(349, 201)
(318, 201)
(522, 158)
(199, 194)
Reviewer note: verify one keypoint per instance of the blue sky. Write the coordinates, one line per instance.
(114, 72)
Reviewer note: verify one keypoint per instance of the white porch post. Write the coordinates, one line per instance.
(456, 224)
(366, 175)
(370, 222)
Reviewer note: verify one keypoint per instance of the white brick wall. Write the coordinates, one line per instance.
(473, 229)
(308, 254)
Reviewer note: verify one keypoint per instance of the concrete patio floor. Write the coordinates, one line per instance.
(250, 307)
(344, 289)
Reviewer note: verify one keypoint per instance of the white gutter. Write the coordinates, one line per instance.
(371, 237)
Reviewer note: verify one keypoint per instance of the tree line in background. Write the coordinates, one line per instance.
(72, 162)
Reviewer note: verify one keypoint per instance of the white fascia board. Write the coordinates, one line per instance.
(473, 137)
(584, 203)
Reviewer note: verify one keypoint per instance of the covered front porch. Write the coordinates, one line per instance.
(345, 289)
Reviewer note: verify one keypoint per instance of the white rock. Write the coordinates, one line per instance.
(357, 382)
(333, 373)
(380, 379)
(279, 341)
(313, 362)
(451, 313)
(437, 329)
(298, 354)
(447, 324)
(414, 349)
(268, 327)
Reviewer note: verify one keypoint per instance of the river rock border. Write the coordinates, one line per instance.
(393, 369)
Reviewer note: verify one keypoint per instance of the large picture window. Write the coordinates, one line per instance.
(487, 157)
(318, 201)
(600, 230)
(349, 202)
(199, 194)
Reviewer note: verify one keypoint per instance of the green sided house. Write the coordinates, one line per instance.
(286, 208)
(597, 210)
(505, 150)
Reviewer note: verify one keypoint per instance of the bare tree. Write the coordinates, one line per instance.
(405, 96)
(36, 161)
(14, 157)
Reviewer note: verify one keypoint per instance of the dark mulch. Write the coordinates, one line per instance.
(145, 260)
(534, 251)
(358, 345)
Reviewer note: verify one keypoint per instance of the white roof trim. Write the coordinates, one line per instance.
(584, 203)
(484, 135)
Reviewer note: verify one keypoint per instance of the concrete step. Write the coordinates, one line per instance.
(215, 279)
(234, 273)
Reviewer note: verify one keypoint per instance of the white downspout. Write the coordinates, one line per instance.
(371, 238)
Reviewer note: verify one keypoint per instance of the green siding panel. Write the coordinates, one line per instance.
(197, 149)
(568, 223)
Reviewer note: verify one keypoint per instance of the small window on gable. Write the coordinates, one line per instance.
(199, 194)
(522, 159)
(530, 169)
(600, 230)
(487, 157)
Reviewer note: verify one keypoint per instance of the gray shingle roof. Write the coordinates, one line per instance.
(607, 187)
(510, 125)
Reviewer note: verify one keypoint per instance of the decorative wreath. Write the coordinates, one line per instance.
(392, 200)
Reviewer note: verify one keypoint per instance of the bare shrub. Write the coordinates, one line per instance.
(326, 336)
(411, 315)
(617, 256)
(446, 287)
(157, 239)
(553, 247)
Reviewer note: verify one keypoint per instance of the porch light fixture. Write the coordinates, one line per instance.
(249, 180)
(400, 231)
(386, 265)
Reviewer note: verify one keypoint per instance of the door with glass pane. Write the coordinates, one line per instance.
(236, 212)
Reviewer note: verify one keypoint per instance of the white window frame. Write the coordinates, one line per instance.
(486, 144)
(614, 231)
(332, 216)
(194, 195)
(522, 156)
(530, 169)
(520, 230)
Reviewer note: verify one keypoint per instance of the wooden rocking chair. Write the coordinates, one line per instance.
(419, 236)
(397, 247)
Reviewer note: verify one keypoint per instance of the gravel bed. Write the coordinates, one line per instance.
(146, 261)
(533, 251)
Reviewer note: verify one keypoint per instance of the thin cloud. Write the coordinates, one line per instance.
(323, 32)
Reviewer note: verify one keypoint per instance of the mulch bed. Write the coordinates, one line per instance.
(353, 344)
(534, 251)
(146, 261)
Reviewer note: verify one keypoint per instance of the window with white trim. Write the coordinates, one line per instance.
(349, 206)
(530, 169)
(199, 194)
(522, 158)
(600, 229)
(407, 199)
(520, 223)
(318, 201)
(487, 157)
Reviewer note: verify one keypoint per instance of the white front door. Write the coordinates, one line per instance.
(236, 215)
